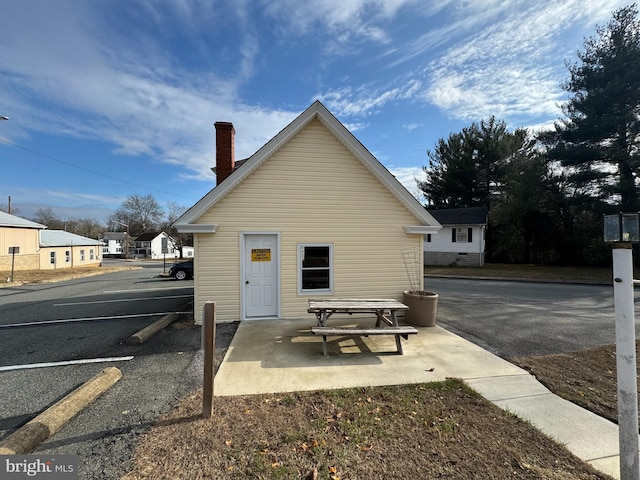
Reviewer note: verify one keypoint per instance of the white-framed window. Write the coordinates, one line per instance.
(67, 256)
(315, 268)
(52, 258)
(462, 235)
(91, 254)
(105, 249)
(82, 255)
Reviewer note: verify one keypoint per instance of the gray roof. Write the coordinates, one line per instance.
(461, 216)
(60, 238)
(114, 235)
(7, 220)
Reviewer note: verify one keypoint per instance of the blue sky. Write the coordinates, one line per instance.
(109, 99)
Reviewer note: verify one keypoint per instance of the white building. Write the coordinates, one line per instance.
(461, 242)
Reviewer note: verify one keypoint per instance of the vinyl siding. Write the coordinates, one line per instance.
(313, 190)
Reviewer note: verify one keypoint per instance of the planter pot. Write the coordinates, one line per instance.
(422, 308)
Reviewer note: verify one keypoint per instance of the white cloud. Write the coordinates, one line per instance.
(350, 19)
(367, 99)
(412, 126)
(512, 67)
(408, 177)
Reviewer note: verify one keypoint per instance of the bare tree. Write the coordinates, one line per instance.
(46, 216)
(140, 213)
(173, 213)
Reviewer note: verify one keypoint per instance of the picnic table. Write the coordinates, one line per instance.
(385, 311)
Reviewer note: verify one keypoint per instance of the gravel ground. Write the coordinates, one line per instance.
(105, 434)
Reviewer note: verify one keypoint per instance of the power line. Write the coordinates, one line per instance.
(79, 167)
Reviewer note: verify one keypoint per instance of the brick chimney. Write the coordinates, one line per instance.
(225, 161)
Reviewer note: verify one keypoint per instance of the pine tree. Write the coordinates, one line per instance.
(599, 139)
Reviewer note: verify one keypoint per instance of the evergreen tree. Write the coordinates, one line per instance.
(598, 141)
(466, 170)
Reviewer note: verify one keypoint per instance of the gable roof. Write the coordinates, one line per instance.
(461, 216)
(8, 220)
(187, 221)
(148, 236)
(60, 238)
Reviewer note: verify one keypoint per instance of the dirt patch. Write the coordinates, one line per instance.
(435, 430)
(587, 378)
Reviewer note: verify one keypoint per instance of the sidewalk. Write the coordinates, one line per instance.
(272, 356)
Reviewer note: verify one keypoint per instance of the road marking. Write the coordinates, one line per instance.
(148, 289)
(87, 319)
(63, 363)
(120, 300)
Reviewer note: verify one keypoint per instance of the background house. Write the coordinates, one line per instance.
(23, 234)
(461, 242)
(150, 245)
(114, 244)
(311, 214)
(60, 249)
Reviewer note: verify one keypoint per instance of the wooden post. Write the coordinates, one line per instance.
(209, 340)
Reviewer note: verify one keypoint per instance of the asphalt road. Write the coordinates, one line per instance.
(514, 319)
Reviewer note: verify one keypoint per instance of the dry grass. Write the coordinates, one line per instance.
(587, 378)
(435, 430)
(21, 277)
(528, 272)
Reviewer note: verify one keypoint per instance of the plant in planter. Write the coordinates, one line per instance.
(423, 305)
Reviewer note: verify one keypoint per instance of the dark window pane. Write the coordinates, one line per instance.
(315, 279)
(314, 257)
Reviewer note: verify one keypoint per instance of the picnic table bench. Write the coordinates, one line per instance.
(384, 309)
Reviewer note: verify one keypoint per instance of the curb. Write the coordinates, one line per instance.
(144, 334)
(27, 437)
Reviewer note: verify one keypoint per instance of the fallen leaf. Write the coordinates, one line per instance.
(227, 443)
(366, 449)
(333, 469)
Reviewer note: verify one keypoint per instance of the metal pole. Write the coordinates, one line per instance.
(209, 340)
(626, 361)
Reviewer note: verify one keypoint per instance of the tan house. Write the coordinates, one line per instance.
(312, 214)
(60, 249)
(19, 243)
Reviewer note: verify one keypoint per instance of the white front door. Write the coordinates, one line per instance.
(261, 282)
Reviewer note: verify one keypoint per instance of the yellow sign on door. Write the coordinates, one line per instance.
(261, 255)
